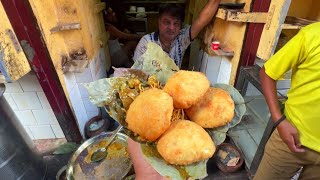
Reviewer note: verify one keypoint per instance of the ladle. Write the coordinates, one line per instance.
(102, 153)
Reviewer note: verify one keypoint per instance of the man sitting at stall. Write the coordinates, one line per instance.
(171, 37)
(174, 41)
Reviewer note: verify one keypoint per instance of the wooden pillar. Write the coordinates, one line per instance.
(27, 30)
(253, 34)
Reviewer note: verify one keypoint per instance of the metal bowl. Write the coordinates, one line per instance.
(116, 165)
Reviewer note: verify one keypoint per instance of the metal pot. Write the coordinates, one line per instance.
(18, 157)
(115, 166)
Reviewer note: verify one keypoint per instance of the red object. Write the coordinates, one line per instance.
(26, 29)
(215, 45)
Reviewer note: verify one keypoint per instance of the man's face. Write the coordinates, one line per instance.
(169, 27)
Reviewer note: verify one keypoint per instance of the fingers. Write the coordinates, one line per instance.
(294, 144)
(290, 136)
(297, 144)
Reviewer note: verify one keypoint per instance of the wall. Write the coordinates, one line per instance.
(32, 108)
(91, 36)
(83, 108)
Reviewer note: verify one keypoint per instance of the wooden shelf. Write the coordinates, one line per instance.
(222, 52)
(155, 2)
(291, 26)
(151, 12)
(239, 16)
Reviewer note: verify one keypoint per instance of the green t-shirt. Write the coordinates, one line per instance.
(302, 55)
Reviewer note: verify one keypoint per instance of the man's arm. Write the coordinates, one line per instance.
(287, 131)
(270, 92)
(205, 17)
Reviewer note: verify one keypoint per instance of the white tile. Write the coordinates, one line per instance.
(10, 101)
(83, 91)
(212, 69)
(26, 128)
(26, 118)
(225, 71)
(88, 105)
(92, 114)
(26, 100)
(93, 65)
(42, 132)
(84, 77)
(13, 87)
(70, 80)
(30, 83)
(78, 108)
(102, 73)
(43, 100)
(75, 96)
(204, 61)
(57, 131)
(45, 117)
(101, 66)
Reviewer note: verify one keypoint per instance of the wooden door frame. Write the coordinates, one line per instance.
(25, 26)
(253, 35)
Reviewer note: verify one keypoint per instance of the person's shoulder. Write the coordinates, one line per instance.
(311, 29)
(148, 37)
(185, 28)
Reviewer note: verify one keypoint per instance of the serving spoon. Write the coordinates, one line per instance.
(102, 153)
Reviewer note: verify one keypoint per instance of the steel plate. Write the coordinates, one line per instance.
(115, 166)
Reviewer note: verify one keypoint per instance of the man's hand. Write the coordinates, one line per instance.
(143, 170)
(290, 136)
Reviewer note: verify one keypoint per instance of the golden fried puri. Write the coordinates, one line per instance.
(186, 88)
(185, 142)
(215, 109)
(150, 113)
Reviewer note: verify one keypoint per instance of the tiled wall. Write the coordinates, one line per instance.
(83, 108)
(216, 68)
(32, 108)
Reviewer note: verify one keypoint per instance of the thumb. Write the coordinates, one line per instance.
(297, 143)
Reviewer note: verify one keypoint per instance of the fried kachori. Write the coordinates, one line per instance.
(186, 88)
(149, 115)
(185, 142)
(215, 109)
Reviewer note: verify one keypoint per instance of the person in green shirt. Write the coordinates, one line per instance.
(296, 141)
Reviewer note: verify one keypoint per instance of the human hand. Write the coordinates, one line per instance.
(290, 136)
(143, 170)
